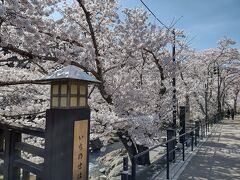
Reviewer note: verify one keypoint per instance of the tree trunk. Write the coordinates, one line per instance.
(144, 159)
(123, 136)
(235, 101)
(134, 149)
(223, 102)
(235, 105)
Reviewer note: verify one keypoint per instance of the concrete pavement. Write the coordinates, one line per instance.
(219, 157)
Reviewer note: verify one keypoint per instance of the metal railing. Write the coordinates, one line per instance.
(191, 136)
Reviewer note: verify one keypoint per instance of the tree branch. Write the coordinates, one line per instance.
(105, 95)
(156, 60)
(71, 41)
(9, 83)
(30, 55)
(92, 33)
(19, 115)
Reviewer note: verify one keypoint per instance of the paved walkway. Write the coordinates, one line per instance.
(219, 157)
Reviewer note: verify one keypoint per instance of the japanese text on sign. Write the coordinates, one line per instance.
(80, 150)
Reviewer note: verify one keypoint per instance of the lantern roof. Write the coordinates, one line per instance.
(69, 72)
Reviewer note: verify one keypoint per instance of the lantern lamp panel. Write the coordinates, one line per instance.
(74, 88)
(83, 90)
(54, 101)
(55, 89)
(64, 89)
(73, 102)
(69, 87)
(82, 101)
(63, 102)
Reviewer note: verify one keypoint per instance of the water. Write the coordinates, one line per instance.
(94, 166)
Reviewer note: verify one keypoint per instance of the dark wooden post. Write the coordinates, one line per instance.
(11, 172)
(124, 175)
(134, 168)
(187, 111)
(60, 141)
(6, 154)
(38, 178)
(202, 129)
(183, 129)
(197, 126)
(171, 145)
(25, 175)
(167, 145)
(192, 139)
(1, 140)
(182, 123)
(196, 131)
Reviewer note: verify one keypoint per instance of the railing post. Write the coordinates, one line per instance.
(171, 144)
(202, 130)
(196, 131)
(133, 168)
(11, 172)
(167, 145)
(183, 149)
(195, 142)
(182, 131)
(124, 175)
(197, 127)
(192, 139)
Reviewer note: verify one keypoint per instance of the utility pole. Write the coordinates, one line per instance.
(206, 102)
(174, 99)
(218, 94)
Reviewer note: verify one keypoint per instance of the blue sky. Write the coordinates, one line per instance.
(206, 21)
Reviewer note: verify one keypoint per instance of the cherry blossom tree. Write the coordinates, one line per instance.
(208, 73)
(126, 55)
(129, 55)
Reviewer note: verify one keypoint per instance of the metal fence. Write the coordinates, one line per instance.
(187, 139)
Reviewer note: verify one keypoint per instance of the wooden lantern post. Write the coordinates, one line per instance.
(67, 125)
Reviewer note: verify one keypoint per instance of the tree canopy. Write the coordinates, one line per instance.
(129, 55)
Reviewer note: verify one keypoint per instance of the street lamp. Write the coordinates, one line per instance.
(69, 87)
(68, 94)
(67, 125)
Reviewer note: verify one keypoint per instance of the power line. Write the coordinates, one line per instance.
(154, 15)
(172, 23)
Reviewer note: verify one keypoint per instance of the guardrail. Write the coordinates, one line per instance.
(11, 146)
(199, 131)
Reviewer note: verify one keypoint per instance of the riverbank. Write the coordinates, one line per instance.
(98, 167)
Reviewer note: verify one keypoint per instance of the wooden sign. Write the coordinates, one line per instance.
(80, 150)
